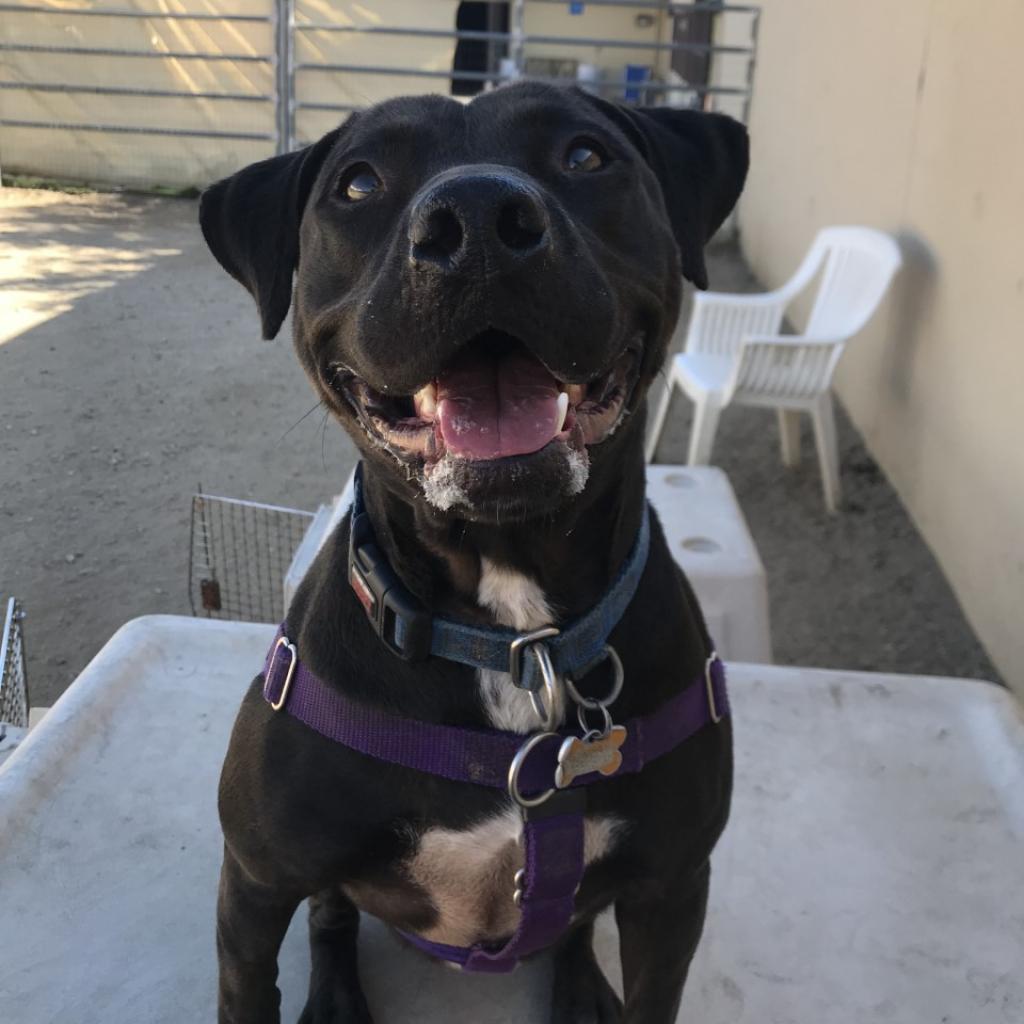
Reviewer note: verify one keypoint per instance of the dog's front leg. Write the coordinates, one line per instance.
(335, 995)
(251, 924)
(658, 935)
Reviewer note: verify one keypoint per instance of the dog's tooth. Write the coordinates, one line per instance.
(425, 401)
(576, 392)
(563, 411)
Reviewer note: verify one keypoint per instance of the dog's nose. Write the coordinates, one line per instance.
(493, 216)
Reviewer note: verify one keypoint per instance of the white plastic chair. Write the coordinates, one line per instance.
(734, 352)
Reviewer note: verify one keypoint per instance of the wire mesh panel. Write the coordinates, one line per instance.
(13, 681)
(240, 552)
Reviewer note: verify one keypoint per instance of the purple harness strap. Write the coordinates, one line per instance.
(552, 831)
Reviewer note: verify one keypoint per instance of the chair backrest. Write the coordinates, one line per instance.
(859, 263)
(856, 265)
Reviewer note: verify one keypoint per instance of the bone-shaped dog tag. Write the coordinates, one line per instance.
(582, 755)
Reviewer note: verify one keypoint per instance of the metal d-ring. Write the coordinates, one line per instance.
(554, 688)
(516, 766)
(522, 644)
(592, 703)
(709, 683)
(588, 731)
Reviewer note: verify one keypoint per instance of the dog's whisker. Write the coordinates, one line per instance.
(301, 419)
(323, 439)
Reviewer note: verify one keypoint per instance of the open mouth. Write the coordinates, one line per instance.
(495, 400)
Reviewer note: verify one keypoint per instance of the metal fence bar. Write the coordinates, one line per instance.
(344, 108)
(697, 90)
(510, 37)
(129, 129)
(707, 6)
(126, 12)
(284, 73)
(123, 90)
(486, 76)
(88, 51)
(517, 29)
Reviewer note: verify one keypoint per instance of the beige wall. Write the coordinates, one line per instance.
(908, 117)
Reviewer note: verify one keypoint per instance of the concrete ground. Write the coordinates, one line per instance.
(131, 370)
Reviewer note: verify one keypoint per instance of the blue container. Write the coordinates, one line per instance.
(637, 75)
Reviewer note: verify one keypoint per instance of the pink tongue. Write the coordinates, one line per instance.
(490, 408)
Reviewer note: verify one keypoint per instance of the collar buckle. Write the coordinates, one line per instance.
(400, 621)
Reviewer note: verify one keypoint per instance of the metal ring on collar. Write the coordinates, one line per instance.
(550, 716)
(591, 703)
(516, 766)
(522, 644)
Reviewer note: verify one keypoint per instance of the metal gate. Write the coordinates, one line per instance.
(138, 95)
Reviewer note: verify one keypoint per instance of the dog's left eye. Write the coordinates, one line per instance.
(584, 155)
(359, 182)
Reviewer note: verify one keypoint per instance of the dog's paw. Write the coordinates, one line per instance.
(581, 993)
(331, 1010)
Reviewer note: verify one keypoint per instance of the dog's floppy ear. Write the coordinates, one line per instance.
(251, 223)
(700, 161)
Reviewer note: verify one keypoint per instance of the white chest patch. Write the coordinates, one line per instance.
(470, 875)
(514, 599)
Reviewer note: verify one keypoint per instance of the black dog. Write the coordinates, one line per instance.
(458, 269)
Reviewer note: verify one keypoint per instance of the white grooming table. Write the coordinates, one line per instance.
(705, 531)
(873, 869)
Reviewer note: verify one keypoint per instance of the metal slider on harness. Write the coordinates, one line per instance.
(270, 678)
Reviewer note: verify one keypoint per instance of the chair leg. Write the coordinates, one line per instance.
(702, 433)
(657, 422)
(789, 437)
(828, 449)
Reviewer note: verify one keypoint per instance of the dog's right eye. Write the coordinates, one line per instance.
(359, 182)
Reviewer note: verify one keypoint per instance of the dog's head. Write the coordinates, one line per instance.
(484, 292)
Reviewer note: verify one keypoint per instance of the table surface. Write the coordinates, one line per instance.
(873, 869)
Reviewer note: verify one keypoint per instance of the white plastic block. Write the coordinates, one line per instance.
(709, 538)
(870, 871)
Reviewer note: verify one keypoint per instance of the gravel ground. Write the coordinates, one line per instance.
(131, 369)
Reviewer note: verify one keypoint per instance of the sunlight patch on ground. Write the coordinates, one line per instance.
(44, 268)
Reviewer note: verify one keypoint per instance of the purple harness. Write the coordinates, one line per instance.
(545, 773)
